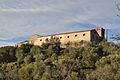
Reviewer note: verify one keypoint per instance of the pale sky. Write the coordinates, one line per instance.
(20, 19)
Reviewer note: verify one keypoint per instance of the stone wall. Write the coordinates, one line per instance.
(64, 38)
(92, 35)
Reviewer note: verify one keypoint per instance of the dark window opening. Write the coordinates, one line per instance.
(40, 39)
(75, 35)
(67, 36)
(46, 39)
(60, 37)
(83, 34)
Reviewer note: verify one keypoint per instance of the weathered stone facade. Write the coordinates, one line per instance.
(93, 35)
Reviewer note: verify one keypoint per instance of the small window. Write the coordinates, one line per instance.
(40, 39)
(75, 35)
(67, 36)
(83, 34)
(60, 37)
(46, 39)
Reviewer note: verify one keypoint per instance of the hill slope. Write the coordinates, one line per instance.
(51, 62)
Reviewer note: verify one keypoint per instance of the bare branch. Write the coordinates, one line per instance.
(116, 37)
(117, 7)
(118, 15)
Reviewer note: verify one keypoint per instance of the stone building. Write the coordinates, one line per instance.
(93, 35)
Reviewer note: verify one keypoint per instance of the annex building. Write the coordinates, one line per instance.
(92, 35)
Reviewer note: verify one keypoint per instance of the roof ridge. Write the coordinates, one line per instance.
(68, 32)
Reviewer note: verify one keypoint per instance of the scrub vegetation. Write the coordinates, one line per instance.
(76, 61)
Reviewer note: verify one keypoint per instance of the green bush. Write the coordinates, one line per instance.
(76, 61)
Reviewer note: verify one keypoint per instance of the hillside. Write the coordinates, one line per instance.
(77, 61)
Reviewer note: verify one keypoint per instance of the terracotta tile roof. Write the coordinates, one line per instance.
(68, 33)
(23, 42)
(34, 37)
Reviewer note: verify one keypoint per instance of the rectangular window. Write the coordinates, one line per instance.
(46, 39)
(67, 36)
(40, 39)
(83, 34)
(60, 37)
(75, 35)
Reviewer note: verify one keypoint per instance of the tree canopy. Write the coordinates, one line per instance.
(76, 61)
